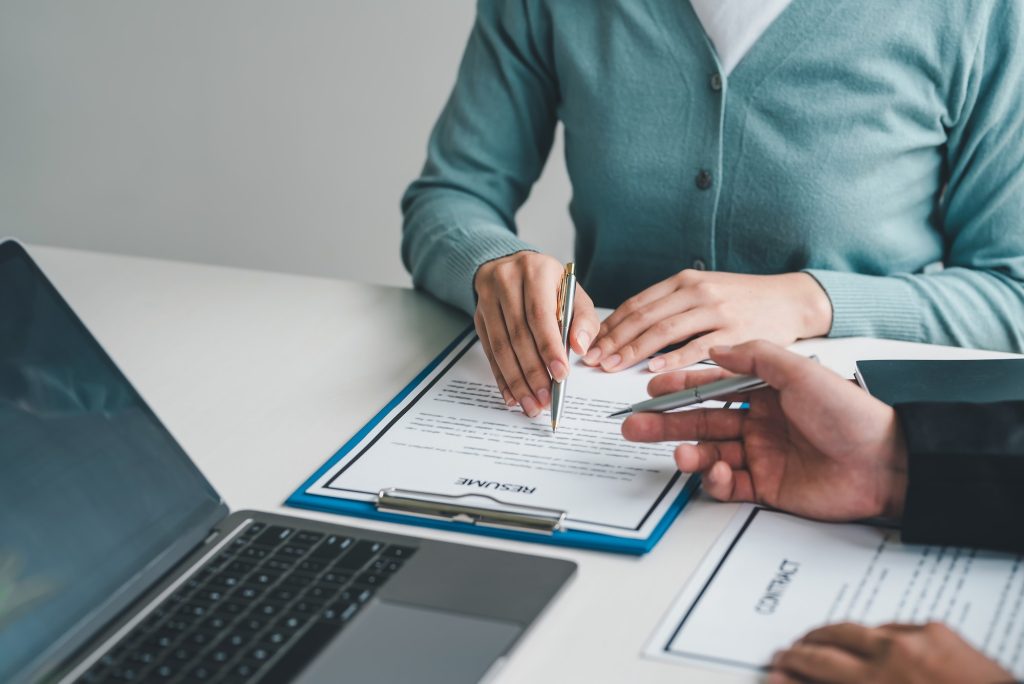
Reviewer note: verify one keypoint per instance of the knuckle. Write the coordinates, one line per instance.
(500, 347)
(537, 312)
(687, 277)
(630, 351)
(518, 387)
(663, 328)
(538, 378)
(706, 289)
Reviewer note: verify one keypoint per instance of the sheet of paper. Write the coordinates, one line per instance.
(453, 435)
(772, 577)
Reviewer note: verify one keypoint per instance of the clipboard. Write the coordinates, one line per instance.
(464, 513)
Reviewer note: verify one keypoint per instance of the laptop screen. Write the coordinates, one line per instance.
(94, 492)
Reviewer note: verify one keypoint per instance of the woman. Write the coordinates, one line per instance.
(813, 168)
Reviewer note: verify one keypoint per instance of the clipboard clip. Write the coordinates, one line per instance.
(453, 509)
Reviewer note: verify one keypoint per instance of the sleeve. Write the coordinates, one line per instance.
(977, 300)
(485, 152)
(965, 475)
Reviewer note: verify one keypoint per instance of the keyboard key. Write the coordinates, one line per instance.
(302, 652)
(238, 567)
(402, 552)
(273, 535)
(163, 672)
(331, 547)
(371, 579)
(308, 538)
(254, 529)
(202, 673)
(335, 577)
(310, 566)
(359, 555)
(386, 565)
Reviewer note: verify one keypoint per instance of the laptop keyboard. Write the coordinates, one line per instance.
(258, 611)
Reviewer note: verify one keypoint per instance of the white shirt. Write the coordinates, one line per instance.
(735, 25)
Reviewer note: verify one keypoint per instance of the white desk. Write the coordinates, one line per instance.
(266, 375)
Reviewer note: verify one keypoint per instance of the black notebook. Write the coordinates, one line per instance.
(976, 380)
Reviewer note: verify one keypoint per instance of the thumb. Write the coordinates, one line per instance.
(770, 362)
(585, 323)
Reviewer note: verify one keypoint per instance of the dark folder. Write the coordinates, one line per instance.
(977, 380)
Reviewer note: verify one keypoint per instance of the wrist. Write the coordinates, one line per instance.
(895, 478)
(815, 308)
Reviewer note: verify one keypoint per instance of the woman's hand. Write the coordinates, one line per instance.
(929, 654)
(517, 321)
(705, 309)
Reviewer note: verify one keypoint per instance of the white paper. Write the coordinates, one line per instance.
(773, 577)
(453, 435)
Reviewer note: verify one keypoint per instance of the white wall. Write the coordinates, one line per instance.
(255, 133)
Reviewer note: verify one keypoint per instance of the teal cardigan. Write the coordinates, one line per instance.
(877, 145)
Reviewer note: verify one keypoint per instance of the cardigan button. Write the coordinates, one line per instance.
(699, 264)
(716, 82)
(703, 179)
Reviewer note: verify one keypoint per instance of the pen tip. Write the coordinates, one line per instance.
(619, 413)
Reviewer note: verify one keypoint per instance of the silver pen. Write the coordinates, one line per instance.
(566, 298)
(695, 395)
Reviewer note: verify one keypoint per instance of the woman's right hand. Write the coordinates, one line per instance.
(517, 321)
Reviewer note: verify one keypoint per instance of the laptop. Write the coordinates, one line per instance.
(119, 562)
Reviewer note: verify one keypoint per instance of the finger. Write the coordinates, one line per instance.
(585, 323)
(654, 292)
(485, 343)
(625, 329)
(693, 458)
(524, 348)
(680, 380)
(773, 364)
(777, 677)
(638, 301)
(821, 663)
(694, 425)
(697, 349)
(661, 333)
(850, 636)
(725, 484)
(508, 364)
(540, 302)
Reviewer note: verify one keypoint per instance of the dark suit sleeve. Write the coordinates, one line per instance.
(966, 474)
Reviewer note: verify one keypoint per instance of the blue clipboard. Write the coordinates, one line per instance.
(365, 509)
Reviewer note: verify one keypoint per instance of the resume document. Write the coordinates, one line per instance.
(452, 435)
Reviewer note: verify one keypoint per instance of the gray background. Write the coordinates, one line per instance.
(273, 135)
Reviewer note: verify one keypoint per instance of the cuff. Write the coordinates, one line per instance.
(871, 306)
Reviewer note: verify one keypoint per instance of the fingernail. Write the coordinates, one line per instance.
(611, 362)
(558, 371)
(656, 364)
(592, 356)
(530, 407)
(583, 339)
(721, 349)
(510, 401)
(543, 395)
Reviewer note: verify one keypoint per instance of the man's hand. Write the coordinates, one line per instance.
(812, 444)
(904, 654)
(517, 321)
(705, 309)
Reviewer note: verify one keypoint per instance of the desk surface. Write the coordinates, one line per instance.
(262, 376)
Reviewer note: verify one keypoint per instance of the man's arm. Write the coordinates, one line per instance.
(966, 474)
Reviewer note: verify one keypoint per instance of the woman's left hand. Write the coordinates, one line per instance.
(707, 309)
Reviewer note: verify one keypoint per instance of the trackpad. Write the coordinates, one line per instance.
(398, 643)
